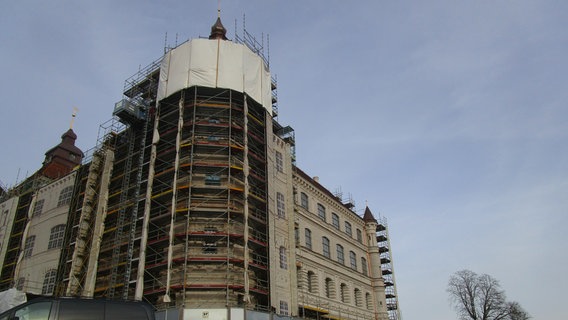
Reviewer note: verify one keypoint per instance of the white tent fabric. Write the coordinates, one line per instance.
(216, 64)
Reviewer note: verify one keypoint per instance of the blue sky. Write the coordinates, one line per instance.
(448, 117)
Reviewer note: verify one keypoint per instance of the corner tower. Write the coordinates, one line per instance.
(207, 220)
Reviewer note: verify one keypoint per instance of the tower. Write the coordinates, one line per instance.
(176, 196)
(62, 158)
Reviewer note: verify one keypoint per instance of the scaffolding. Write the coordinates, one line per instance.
(207, 240)
(172, 206)
(14, 243)
(387, 269)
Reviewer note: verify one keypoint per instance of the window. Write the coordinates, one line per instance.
(335, 220)
(304, 201)
(38, 208)
(65, 196)
(348, 229)
(358, 297)
(283, 308)
(343, 293)
(353, 259)
(29, 246)
(56, 237)
(340, 257)
(279, 162)
(39, 310)
(280, 205)
(325, 244)
(364, 266)
(311, 282)
(328, 288)
(283, 258)
(209, 247)
(309, 239)
(369, 301)
(49, 282)
(321, 211)
(359, 236)
(20, 283)
(212, 180)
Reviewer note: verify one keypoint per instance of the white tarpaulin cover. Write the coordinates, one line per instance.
(11, 298)
(215, 64)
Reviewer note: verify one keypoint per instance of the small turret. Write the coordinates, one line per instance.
(368, 216)
(61, 159)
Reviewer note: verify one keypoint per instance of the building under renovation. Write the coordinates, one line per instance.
(192, 201)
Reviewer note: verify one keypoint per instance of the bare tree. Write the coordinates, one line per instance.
(516, 312)
(480, 297)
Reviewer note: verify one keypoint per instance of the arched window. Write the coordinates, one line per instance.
(369, 301)
(304, 202)
(65, 196)
(353, 259)
(335, 220)
(321, 211)
(348, 229)
(343, 292)
(56, 236)
(312, 282)
(358, 297)
(49, 282)
(329, 289)
(364, 266)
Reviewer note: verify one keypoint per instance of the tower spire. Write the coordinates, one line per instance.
(218, 31)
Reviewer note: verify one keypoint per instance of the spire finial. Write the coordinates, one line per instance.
(73, 117)
(218, 8)
(218, 31)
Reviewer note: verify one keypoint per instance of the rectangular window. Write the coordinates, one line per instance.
(325, 244)
(284, 308)
(321, 211)
(283, 258)
(279, 162)
(49, 282)
(340, 257)
(364, 266)
(29, 246)
(213, 180)
(280, 205)
(309, 239)
(38, 208)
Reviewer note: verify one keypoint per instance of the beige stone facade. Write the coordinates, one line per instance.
(335, 253)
